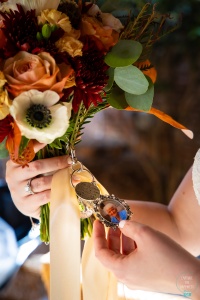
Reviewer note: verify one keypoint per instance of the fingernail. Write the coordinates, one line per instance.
(122, 223)
(69, 160)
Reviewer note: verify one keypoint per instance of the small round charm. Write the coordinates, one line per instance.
(86, 213)
(87, 191)
(111, 210)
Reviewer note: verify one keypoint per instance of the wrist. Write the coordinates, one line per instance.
(195, 293)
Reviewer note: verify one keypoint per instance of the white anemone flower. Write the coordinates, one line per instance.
(38, 5)
(39, 117)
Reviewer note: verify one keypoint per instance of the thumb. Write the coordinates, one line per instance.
(133, 230)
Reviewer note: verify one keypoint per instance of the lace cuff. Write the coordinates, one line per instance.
(196, 175)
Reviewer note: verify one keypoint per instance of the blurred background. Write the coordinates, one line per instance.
(134, 155)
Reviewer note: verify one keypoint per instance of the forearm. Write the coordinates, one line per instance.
(195, 288)
(155, 215)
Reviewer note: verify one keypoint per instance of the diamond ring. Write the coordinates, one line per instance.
(28, 188)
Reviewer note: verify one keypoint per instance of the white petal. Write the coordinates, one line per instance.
(94, 10)
(60, 115)
(38, 5)
(50, 98)
(57, 128)
(69, 108)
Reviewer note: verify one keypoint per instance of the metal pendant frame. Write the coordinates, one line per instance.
(110, 200)
(92, 202)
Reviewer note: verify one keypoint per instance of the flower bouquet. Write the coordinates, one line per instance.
(63, 61)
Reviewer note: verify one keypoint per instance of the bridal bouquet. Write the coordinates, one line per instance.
(63, 61)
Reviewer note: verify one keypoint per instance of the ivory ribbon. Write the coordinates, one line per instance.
(97, 282)
(196, 175)
(65, 240)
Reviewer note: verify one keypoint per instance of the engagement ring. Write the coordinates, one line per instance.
(28, 188)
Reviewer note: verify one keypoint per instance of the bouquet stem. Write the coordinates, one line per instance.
(72, 137)
(44, 224)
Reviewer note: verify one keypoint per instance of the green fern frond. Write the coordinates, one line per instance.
(147, 28)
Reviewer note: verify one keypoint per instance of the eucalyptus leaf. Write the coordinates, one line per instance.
(3, 151)
(117, 98)
(110, 73)
(141, 102)
(124, 53)
(131, 80)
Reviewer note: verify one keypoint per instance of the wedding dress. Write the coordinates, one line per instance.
(196, 175)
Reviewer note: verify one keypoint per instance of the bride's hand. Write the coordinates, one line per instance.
(17, 178)
(154, 265)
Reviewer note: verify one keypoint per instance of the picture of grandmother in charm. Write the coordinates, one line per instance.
(113, 211)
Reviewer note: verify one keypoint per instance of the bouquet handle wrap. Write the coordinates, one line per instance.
(97, 282)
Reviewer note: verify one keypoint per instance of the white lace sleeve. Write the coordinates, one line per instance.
(196, 175)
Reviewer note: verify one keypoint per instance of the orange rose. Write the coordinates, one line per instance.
(91, 26)
(27, 71)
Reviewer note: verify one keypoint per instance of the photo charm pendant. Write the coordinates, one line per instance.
(87, 191)
(110, 210)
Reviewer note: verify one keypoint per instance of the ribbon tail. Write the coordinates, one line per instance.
(65, 239)
(97, 282)
(166, 118)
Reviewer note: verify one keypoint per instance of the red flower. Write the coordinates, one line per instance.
(6, 127)
(91, 77)
(20, 30)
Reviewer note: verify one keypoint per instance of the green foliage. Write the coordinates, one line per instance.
(3, 151)
(74, 132)
(23, 144)
(46, 31)
(131, 80)
(147, 28)
(141, 102)
(109, 85)
(116, 98)
(124, 53)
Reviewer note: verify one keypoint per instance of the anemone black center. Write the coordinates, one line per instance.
(38, 116)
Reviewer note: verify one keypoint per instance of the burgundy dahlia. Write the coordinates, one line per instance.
(91, 77)
(20, 30)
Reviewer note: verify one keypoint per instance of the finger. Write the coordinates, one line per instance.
(30, 205)
(41, 198)
(47, 165)
(38, 146)
(128, 245)
(106, 256)
(39, 184)
(100, 241)
(133, 230)
(114, 238)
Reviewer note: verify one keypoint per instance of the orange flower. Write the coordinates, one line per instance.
(13, 144)
(27, 71)
(151, 72)
(91, 26)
